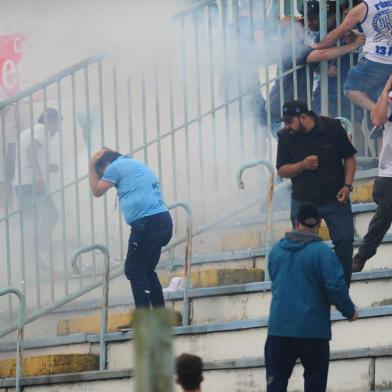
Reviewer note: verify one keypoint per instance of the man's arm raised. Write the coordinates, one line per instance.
(355, 16)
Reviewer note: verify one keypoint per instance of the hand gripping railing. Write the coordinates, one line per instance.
(20, 327)
(105, 295)
(240, 184)
(188, 257)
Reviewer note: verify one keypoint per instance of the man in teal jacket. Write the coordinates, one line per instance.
(307, 278)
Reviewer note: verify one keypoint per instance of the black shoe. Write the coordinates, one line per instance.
(376, 132)
(358, 263)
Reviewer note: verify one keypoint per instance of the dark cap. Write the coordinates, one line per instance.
(313, 8)
(294, 108)
(308, 215)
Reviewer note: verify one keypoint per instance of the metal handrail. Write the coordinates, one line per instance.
(50, 80)
(346, 123)
(270, 197)
(188, 256)
(105, 295)
(20, 328)
(119, 271)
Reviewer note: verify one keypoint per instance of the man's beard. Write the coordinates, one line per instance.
(300, 131)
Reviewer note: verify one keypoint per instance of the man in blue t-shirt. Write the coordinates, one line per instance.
(144, 210)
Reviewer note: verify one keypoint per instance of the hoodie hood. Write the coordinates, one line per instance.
(296, 240)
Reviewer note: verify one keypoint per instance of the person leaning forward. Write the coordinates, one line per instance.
(306, 278)
(317, 155)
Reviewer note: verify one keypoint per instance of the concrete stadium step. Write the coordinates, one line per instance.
(232, 352)
(236, 339)
(253, 257)
(237, 302)
(44, 365)
(217, 341)
(252, 300)
(92, 324)
(359, 370)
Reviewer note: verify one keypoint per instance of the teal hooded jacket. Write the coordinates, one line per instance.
(307, 278)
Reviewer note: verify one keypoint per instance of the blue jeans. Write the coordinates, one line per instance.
(281, 353)
(148, 236)
(339, 220)
(368, 76)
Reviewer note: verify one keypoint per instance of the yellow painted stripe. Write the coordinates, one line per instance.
(51, 364)
(92, 324)
(217, 277)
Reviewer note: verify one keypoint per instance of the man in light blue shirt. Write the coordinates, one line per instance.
(144, 210)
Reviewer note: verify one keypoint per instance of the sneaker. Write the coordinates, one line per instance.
(376, 132)
(358, 263)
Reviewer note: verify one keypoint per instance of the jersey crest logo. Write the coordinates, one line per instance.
(382, 25)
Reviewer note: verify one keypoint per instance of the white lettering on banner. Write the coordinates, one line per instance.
(9, 74)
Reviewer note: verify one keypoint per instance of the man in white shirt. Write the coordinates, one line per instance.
(374, 19)
(32, 178)
(382, 191)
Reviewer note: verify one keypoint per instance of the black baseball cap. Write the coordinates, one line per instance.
(292, 109)
(308, 215)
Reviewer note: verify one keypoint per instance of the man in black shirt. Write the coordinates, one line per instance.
(317, 155)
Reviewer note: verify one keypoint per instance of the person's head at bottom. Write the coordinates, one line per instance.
(189, 369)
(308, 219)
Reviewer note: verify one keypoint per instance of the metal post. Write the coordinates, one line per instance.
(62, 194)
(130, 117)
(238, 61)
(34, 205)
(324, 64)
(47, 159)
(153, 351)
(6, 207)
(102, 126)
(185, 107)
(188, 257)
(294, 50)
(117, 143)
(20, 327)
(213, 109)
(196, 33)
(105, 295)
(89, 153)
(20, 212)
(158, 122)
(267, 90)
(240, 184)
(76, 167)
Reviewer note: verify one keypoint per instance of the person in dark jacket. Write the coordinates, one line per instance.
(317, 155)
(307, 279)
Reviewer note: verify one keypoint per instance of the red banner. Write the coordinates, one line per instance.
(10, 56)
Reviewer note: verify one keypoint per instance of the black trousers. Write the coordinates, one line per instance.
(148, 236)
(381, 221)
(281, 354)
